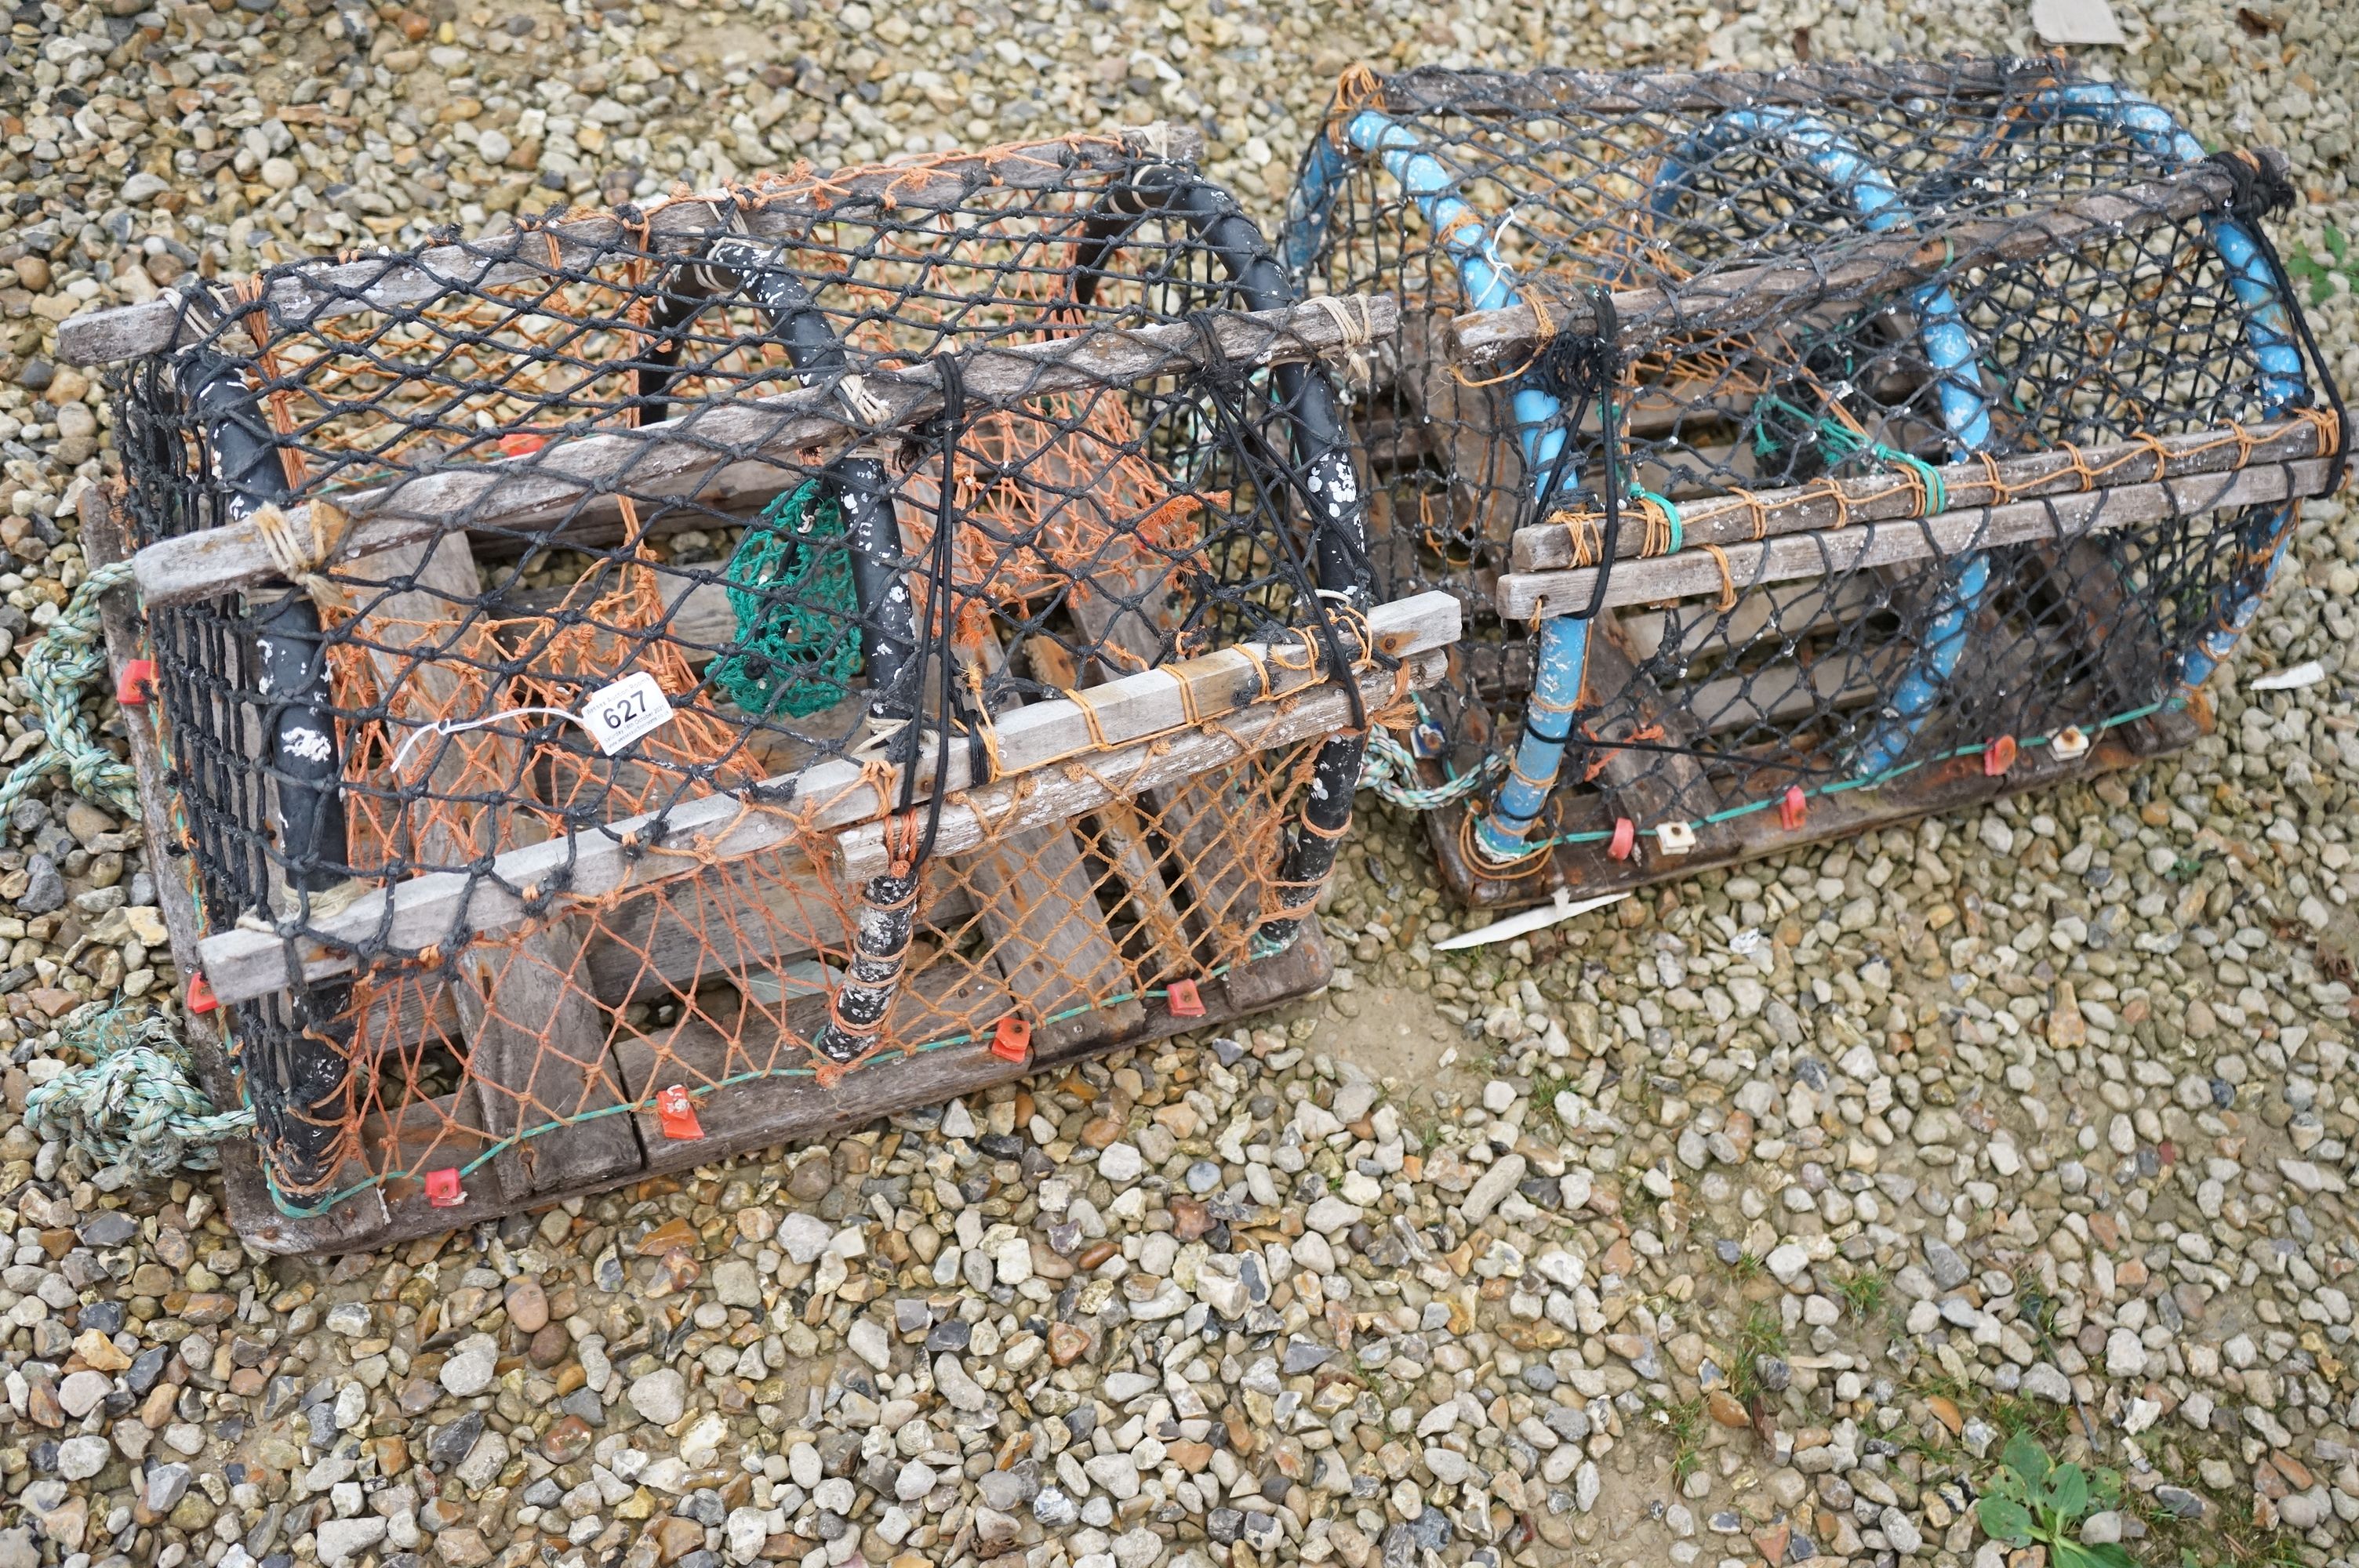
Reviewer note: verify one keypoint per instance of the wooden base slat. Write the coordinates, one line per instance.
(1585, 870)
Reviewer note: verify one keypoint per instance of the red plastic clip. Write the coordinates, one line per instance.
(1012, 1040)
(1999, 756)
(201, 995)
(1793, 808)
(134, 681)
(676, 1112)
(1624, 842)
(1185, 1003)
(522, 443)
(442, 1188)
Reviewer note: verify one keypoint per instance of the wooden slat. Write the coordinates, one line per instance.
(426, 910)
(1115, 614)
(1038, 906)
(2119, 641)
(1945, 784)
(1474, 431)
(1701, 631)
(1743, 296)
(300, 297)
(1524, 595)
(1056, 795)
(1780, 692)
(1590, 94)
(1892, 495)
(536, 1042)
(788, 432)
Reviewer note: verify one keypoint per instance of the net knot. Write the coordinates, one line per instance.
(2261, 182)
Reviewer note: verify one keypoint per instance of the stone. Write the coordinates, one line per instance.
(471, 1366)
(660, 1397)
(80, 1458)
(803, 1237)
(342, 1540)
(734, 1284)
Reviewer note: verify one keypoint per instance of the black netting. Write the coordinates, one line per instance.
(870, 481)
(1903, 409)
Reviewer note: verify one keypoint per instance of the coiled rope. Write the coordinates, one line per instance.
(136, 1105)
(68, 657)
(1391, 771)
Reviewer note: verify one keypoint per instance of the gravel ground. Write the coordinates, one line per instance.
(1738, 1223)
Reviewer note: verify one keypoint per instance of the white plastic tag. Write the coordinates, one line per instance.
(619, 714)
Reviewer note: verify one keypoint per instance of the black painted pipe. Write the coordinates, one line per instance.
(1322, 473)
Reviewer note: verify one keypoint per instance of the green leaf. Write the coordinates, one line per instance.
(2064, 1552)
(2335, 244)
(2024, 1456)
(2003, 1518)
(2113, 1554)
(2068, 1491)
(2105, 1485)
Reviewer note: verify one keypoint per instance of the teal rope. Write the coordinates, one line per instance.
(1670, 515)
(136, 1105)
(1391, 771)
(789, 584)
(69, 657)
(1843, 443)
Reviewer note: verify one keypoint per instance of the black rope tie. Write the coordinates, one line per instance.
(940, 619)
(1227, 382)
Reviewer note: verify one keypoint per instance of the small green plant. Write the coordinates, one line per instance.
(1764, 1333)
(1685, 1422)
(1864, 1293)
(2320, 274)
(2032, 1499)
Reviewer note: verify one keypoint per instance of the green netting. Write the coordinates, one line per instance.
(791, 587)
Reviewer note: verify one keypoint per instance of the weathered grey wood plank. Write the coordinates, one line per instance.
(682, 457)
(1652, 778)
(1522, 595)
(1888, 495)
(1747, 296)
(1056, 795)
(427, 909)
(536, 1042)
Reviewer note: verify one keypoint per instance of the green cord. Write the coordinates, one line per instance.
(1840, 785)
(1843, 443)
(1670, 515)
(789, 584)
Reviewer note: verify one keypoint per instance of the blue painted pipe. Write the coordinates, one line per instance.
(2268, 533)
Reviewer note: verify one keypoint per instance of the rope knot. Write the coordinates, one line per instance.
(135, 1105)
(2262, 181)
(300, 554)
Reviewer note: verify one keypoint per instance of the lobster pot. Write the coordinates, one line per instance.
(667, 681)
(1808, 450)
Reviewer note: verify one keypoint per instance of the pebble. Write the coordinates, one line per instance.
(661, 1396)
